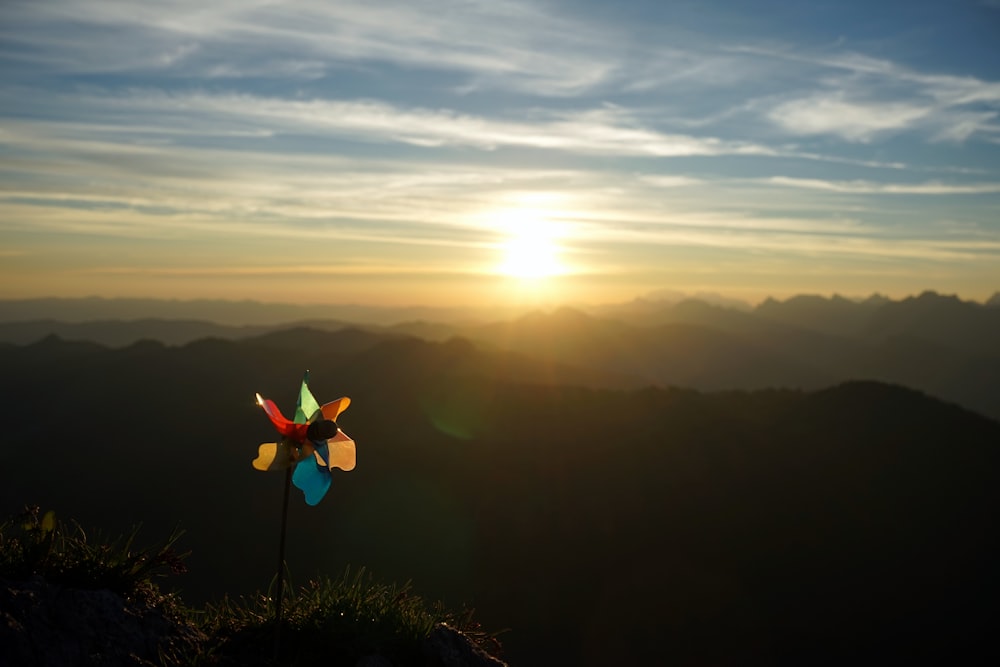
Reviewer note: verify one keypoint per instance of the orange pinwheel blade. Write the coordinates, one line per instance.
(333, 409)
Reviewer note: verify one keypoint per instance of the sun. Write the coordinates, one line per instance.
(531, 249)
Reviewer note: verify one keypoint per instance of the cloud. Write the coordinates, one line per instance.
(671, 181)
(832, 113)
(818, 246)
(601, 131)
(505, 44)
(963, 124)
(860, 98)
(869, 187)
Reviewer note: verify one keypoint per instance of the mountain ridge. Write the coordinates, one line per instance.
(257, 313)
(939, 344)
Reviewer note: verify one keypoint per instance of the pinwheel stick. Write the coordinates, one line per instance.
(280, 586)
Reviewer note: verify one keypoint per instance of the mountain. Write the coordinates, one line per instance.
(684, 311)
(648, 308)
(837, 316)
(630, 526)
(733, 350)
(945, 320)
(942, 319)
(934, 343)
(119, 333)
(232, 313)
(677, 354)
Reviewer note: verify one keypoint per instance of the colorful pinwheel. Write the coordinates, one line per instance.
(312, 442)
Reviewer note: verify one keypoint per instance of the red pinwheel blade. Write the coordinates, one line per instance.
(285, 426)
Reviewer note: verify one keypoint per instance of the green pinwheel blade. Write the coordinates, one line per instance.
(306, 406)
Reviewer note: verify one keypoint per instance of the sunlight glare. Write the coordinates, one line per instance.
(531, 251)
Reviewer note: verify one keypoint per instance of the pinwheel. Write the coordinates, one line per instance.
(312, 443)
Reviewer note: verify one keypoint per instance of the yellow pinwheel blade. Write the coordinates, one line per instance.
(333, 409)
(341, 453)
(271, 456)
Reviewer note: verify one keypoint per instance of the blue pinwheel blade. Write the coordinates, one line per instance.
(313, 480)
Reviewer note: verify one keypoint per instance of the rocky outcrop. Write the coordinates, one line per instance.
(448, 647)
(43, 624)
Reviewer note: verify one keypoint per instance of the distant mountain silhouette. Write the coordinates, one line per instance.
(232, 313)
(956, 358)
(684, 355)
(647, 308)
(837, 315)
(686, 311)
(945, 320)
(939, 344)
(344, 342)
(842, 526)
(118, 333)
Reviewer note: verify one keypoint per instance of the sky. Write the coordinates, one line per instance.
(469, 152)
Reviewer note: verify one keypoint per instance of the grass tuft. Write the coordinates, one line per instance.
(334, 622)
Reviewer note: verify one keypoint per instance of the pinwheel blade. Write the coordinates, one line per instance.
(306, 407)
(272, 456)
(312, 480)
(284, 426)
(333, 409)
(341, 452)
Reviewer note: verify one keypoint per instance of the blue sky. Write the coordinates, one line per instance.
(433, 152)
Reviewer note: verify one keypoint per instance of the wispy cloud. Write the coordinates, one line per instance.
(341, 270)
(785, 244)
(859, 98)
(514, 45)
(833, 113)
(869, 187)
(672, 181)
(602, 131)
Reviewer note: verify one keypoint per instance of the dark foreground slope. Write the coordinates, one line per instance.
(853, 524)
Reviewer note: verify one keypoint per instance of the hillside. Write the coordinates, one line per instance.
(601, 526)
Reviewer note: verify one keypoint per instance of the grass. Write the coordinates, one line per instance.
(328, 621)
(35, 544)
(335, 622)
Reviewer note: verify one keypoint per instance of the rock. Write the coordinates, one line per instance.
(447, 647)
(44, 624)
